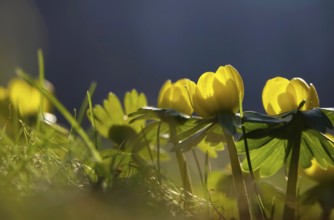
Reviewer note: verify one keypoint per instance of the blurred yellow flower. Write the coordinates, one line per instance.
(319, 174)
(177, 95)
(282, 95)
(3, 93)
(220, 92)
(25, 98)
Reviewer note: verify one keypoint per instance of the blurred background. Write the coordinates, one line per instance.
(139, 44)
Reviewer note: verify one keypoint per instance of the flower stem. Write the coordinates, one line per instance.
(183, 167)
(239, 183)
(291, 190)
(254, 189)
(184, 171)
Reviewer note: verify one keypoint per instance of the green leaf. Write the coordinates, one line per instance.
(118, 162)
(206, 146)
(121, 133)
(305, 155)
(113, 108)
(329, 112)
(191, 128)
(145, 154)
(255, 117)
(268, 143)
(132, 102)
(222, 194)
(230, 122)
(322, 148)
(192, 137)
(149, 112)
(101, 120)
(111, 121)
(221, 182)
(316, 119)
(111, 113)
(269, 157)
(273, 198)
(258, 125)
(253, 143)
(273, 162)
(148, 137)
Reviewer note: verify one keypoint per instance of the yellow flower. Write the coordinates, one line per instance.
(281, 95)
(25, 98)
(3, 93)
(317, 173)
(177, 95)
(220, 92)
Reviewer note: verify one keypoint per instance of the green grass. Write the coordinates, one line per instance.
(123, 166)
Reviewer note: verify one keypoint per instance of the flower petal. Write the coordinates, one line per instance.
(203, 100)
(190, 87)
(286, 102)
(271, 92)
(162, 94)
(199, 103)
(227, 95)
(176, 96)
(229, 72)
(300, 91)
(3, 93)
(313, 98)
(24, 97)
(185, 95)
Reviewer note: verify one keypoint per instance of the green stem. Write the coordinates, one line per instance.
(42, 82)
(254, 189)
(182, 163)
(291, 190)
(158, 153)
(67, 115)
(184, 171)
(239, 183)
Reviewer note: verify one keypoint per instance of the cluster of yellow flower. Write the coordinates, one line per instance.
(223, 92)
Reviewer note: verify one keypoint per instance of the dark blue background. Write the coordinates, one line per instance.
(139, 44)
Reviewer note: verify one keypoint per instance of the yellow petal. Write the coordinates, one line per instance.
(317, 173)
(25, 98)
(190, 87)
(274, 95)
(199, 103)
(204, 101)
(227, 95)
(3, 93)
(162, 94)
(229, 72)
(313, 98)
(176, 96)
(300, 90)
(184, 100)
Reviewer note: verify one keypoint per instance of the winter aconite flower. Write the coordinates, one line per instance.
(177, 95)
(282, 95)
(27, 99)
(219, 92)
(319, 174)
(3, 93)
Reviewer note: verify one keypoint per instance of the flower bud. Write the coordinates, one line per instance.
(219, 92)
(177, 96)
(282, 95)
